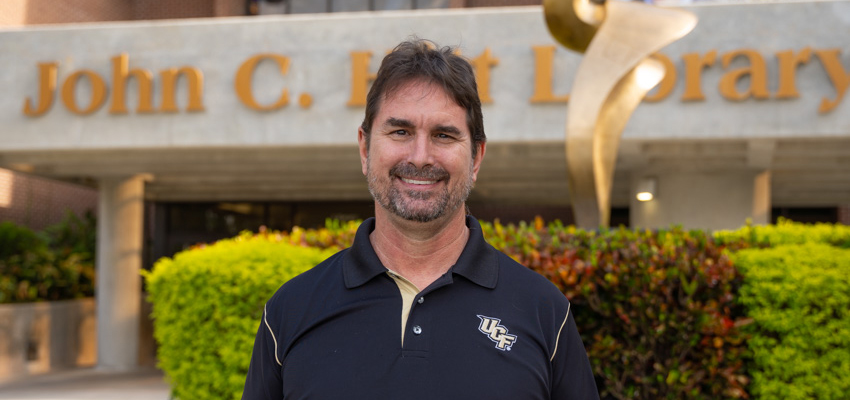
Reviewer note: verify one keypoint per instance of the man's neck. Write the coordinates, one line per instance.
(420, 252)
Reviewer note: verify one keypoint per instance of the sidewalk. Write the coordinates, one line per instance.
(89, 384)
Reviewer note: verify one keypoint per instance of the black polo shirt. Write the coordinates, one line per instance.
(487, 329)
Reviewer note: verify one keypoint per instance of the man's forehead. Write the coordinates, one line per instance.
(417, 87)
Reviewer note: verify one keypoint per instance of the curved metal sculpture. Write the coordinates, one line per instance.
(617, 39)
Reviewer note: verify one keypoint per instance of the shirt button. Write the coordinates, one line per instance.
(417, 330)
(421, 300)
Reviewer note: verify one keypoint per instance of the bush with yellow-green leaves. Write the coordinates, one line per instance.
(207, 304)
(798, 297)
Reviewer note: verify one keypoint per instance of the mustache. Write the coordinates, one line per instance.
(425, 173)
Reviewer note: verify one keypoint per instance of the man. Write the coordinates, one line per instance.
(420, 307)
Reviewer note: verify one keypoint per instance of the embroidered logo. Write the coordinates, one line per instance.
(496, 332)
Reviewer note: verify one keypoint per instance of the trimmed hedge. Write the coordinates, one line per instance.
(786, 232)
(799, 299)
(207, 303)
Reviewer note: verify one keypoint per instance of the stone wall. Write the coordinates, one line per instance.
(40, 337)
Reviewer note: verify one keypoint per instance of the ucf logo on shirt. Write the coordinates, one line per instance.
(496, 332)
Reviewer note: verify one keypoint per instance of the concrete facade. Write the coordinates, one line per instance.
(320, 65)
(200, 153)
(688, 198)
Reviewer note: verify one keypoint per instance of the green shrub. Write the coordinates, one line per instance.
(655, 309)
(335, 235)
(207, 304)
(799, 299)
(16, 240)
(786, 232)
(57, 264)
(74, 235)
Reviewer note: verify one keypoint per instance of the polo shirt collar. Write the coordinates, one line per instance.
(477, 262)
(362, 263)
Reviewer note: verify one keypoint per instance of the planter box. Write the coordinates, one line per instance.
(39, 337)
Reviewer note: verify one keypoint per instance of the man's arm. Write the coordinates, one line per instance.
(264, 381)
(572, 377)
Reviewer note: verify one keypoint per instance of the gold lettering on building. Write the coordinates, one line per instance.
(665, 87)
(744, 81)
(544, 57)
(788, 62)
(360, 77)
(245, 77)
(756, 70)
(305, 100)
(831, 61)
(120, 74)
(46, 88)
(98, 92)
(195, 80)
(482, 65)
(694, 64)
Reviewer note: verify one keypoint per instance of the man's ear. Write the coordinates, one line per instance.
(476, 161)
(364, 149)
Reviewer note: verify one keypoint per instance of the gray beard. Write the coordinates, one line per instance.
(394, 200)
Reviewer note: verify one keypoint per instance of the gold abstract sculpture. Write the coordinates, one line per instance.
(617, 39)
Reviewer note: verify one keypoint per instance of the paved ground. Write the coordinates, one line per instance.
(89, 384)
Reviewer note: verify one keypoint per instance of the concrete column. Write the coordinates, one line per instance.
(761, 199)
(844, 214)
(718, 200)
(119, 260)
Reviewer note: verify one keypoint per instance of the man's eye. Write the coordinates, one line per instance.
(400, 132)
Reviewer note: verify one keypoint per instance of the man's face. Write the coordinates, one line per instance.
(419, 163)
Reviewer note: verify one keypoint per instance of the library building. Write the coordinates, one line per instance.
(185, 121)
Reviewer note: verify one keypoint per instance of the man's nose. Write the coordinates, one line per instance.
(422, 151)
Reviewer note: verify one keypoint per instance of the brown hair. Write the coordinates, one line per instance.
(420, 59)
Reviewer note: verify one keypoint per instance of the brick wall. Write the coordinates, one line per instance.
(68, 11)
(33, 12)
(227, 8)
(37, 202)
(162, 9)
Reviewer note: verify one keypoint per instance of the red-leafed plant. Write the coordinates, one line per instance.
(656, 309)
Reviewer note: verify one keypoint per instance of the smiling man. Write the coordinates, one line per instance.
(420, 307)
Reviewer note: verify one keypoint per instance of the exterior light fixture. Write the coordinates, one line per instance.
(646, 189)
